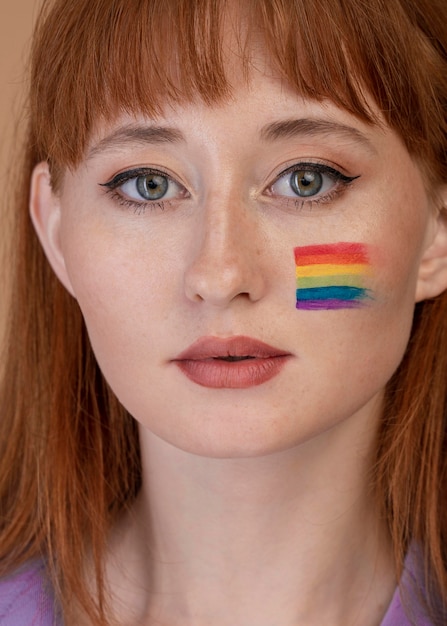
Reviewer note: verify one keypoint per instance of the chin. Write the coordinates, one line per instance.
(237, 438)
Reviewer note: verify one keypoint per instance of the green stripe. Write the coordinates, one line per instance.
(349, 280)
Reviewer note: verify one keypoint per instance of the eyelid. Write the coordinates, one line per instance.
(115, 188)
(315, 166)
(340, 182)
(122, 177)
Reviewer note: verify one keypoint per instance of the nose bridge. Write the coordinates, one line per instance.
(225, 221)
(223, 264)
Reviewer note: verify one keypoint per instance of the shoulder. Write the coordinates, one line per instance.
(26, 598)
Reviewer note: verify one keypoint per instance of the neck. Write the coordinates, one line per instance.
(291, 538)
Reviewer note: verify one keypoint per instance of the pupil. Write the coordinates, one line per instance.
(306, 183)
(152, 187)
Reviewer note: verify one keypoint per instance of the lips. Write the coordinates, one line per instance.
(232, 363)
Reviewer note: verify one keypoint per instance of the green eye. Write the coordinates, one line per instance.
(145, 186)
(311, 182)
(152, 186)
(306, 183)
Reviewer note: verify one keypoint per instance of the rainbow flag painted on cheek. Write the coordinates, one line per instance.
(331, 276)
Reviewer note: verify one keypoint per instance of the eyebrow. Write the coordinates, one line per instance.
(137, 135)
(284, 129)
(309, 127)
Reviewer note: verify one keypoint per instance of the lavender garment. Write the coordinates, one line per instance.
(412, 589)
(396, 616)
(26, 600)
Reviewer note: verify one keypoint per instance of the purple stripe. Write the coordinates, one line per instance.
(332, 303)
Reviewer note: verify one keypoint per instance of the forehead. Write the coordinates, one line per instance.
(198, 51)
(263, 111)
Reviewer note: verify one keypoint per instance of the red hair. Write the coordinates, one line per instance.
(69, 455)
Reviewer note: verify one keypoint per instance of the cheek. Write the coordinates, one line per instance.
(356, 301)
(124, 298)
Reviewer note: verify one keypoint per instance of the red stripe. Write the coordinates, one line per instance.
(332, 259)
(331, 253)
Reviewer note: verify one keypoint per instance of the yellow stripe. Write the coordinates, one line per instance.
(330, 270)
(337, 280)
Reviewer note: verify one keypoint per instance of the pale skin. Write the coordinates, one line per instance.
(256, 508)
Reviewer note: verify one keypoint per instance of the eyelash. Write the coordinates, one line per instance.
(112, 187)
(341, 182)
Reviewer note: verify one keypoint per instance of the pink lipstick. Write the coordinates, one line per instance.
(232, 363)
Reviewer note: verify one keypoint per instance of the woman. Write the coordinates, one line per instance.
(241, 213)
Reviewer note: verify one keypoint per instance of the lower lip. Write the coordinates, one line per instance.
(219, 374)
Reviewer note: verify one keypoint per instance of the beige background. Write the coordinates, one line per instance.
(16, 19)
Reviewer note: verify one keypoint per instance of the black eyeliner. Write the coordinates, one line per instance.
(123, 177)
(320, 168)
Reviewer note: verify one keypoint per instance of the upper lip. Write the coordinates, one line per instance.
(239, 346)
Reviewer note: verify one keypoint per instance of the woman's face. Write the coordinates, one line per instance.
(180, 236)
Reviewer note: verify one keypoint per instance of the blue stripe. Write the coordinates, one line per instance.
(333, 293)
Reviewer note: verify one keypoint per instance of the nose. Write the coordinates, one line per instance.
(226, 259)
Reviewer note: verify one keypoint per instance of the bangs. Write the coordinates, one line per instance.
(93, 59)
